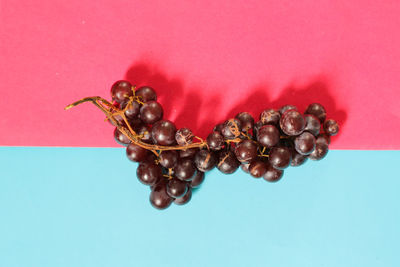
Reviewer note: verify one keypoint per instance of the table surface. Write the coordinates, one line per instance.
(207, 60)
(85, 207)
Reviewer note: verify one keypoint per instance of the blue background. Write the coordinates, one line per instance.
(85, 207)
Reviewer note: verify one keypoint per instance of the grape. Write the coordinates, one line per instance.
(176, 188)
(185, 199)
(286, 108)
(146, 94)
(331, 127)
(304, 143)
(312, 124)
(169, 158)
(121, 138)
(297, 159)
(135, 122)
(246, 151)
(257, 127)
(282, 137)
(136, 153)
(159, 197)
(270, 116)
(218, 127)
(326, 137)
(321, 149)
(205, 160)
(272, 174)
(227, 162)
(257, 168)
(197, 179)
(231, 128)
(151, 112)
(268, 136)
(184, 136)
(246, 121)
(185, 169)
(292, 122)
(245, 167)
(145, 132)
(151, 157)
(215, 141)
(148, 172)
(163, 133)
(317, 110)
(121, 91)
(280, 157)
(132, 110)
(188, 153)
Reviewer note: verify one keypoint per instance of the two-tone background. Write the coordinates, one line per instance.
(69, 196)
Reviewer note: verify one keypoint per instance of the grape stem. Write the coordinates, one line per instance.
(125, 128)
(111, 112)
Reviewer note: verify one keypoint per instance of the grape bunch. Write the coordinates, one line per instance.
(173, 162)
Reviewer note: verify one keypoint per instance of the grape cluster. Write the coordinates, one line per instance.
(173, 162)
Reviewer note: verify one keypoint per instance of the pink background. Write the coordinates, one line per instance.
(206, 59)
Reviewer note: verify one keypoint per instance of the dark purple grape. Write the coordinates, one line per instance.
(257, 127)
(304, 143)
(184, 136)
(197, 179)
(218, 127)
(257, 168)
(321, 149)
(286, 108)
(151, 158)
(297, 159)
(280, 157)
(270, 116)
(121, 91)
(215, 141)
(246, 151)
(176, 188)
(245, 167)
(121, 138)
(246, 121)
(184, 169)
(159, 197)
(148, 172)
(292, 122)
(326, 137)
(268, 136)
(151, 112)
(227, 162)
(188, 153)
(231, 128)
(145, 132)
(146, 94)
(136, 153)
(135, 122)
(163, 133)
(317, 110)
(331, 127)
(312, 124)
(133, 110)
(272, 174)
(185, 199)
(205, 160)
(169, 158)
